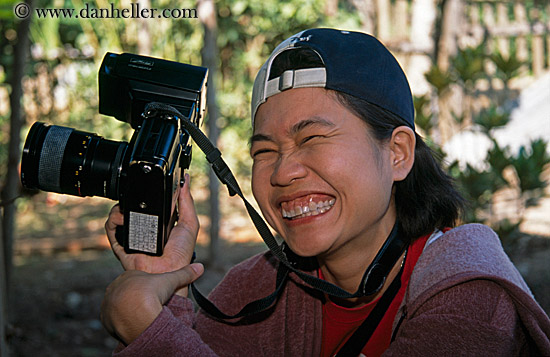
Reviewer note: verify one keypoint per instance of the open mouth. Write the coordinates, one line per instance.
(306, 207)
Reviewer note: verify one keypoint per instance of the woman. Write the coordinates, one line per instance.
(342, 177)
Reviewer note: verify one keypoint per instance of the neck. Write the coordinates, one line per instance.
(347, 268)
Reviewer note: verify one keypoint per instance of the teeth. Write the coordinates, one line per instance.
(310, 209)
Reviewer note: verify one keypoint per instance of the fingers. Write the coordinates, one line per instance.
(187, 214)
(116, 218)
(181, 244)
(135, 290)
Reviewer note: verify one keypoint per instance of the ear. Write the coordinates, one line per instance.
(402, 144)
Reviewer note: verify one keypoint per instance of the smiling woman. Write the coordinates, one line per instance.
(360, 202)
(313, 155)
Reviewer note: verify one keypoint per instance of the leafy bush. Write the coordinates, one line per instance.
(479, 184)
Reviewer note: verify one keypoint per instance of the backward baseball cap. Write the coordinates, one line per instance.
(355, 63)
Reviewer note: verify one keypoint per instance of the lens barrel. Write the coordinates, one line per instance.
(65, 160)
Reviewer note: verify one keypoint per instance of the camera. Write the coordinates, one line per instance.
(144, 174)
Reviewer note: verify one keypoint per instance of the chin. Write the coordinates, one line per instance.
(305, 251)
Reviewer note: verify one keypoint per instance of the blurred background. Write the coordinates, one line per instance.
(479, 71)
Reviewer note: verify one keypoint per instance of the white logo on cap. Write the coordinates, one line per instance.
(300, 39)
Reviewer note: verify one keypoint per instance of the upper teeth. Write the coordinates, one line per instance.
(309, 209)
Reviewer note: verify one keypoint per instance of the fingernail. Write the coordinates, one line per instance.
(197, 268)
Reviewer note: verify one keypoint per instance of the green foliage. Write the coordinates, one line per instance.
(480, 183)
(498, 159)
(423, 118)
(507, 68)
(468, 64)
(477, 187)
(529, 164)
(439, 79)
(491, 118)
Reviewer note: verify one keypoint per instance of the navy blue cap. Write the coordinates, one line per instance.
(355, 63)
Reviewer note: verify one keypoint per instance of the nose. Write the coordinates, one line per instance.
(287, 169)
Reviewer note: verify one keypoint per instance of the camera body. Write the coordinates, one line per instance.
(161, 149)
(144, 174)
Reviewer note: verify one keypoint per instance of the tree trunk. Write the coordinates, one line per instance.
(207, 14)
(331, 8)
(3, 303)
(11, 187)
(422, 27)
(144, 37)
(383, 20)
(451, 20)
(367, 13)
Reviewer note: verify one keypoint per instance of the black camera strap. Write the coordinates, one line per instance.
(372, 280)
(362, 335)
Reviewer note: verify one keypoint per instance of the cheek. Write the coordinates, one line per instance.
(256, 189)
(339, 162)
(260, 185)
(361, 177)
(261, 189)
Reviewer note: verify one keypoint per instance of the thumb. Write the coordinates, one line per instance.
(172, 281)
(187, 213)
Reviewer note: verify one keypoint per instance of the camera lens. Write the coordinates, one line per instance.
(64, 160)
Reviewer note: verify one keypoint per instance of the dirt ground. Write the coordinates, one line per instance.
(56, 300)
(61, 270)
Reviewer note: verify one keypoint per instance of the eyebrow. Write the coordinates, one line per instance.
(259, 137)
(296, 128)
(315, 120)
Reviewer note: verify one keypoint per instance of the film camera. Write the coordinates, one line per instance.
(144, 174)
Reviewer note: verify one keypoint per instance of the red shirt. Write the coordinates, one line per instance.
(339, 323)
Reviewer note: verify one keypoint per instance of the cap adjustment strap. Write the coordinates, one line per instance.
(300, 78)
(286, 80)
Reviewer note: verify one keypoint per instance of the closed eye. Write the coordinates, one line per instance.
(309, 138)
(261, 151)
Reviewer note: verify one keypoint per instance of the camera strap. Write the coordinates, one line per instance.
(362, 335)
(373, 280)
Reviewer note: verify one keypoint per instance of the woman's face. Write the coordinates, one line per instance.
(320, 178)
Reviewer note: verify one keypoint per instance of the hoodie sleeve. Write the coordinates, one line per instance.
(178, 330)
(170, 334)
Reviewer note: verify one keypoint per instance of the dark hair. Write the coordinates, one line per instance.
(427, 198)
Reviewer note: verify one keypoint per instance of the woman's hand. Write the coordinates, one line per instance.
(179, 248)
(135, 299)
